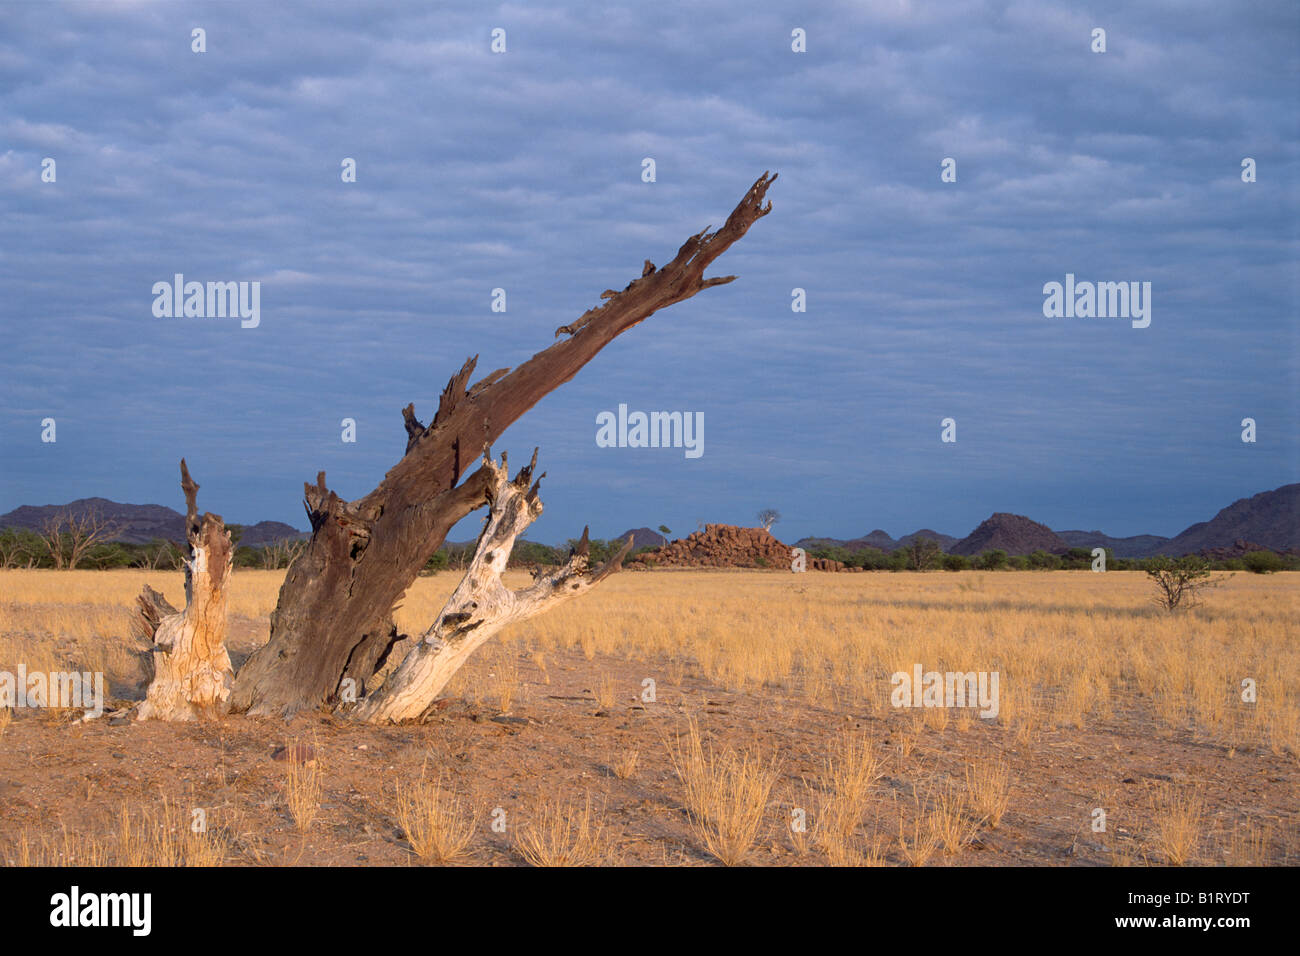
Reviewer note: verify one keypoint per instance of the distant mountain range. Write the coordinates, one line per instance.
(1270, 519)
(140, 524)
(879, 540)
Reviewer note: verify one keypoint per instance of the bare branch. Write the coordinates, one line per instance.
(482, 605)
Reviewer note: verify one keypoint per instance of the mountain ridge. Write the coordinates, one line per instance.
(1269, 519)
(140, 524)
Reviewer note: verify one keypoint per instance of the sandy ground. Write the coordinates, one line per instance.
(555, 742)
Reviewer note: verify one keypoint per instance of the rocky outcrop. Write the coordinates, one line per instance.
(727, 546)
(1239, 549)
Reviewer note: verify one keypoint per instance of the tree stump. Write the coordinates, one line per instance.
(192, 672)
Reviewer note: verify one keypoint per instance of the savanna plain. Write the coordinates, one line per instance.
(696, 718)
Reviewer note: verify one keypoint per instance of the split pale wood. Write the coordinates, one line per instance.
(192, 673)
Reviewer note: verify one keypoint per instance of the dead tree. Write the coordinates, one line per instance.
(481, 605)
(333, 622)
(67, 536)
(192, 672)
(281, 554)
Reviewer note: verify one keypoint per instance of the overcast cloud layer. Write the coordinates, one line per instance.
(522, 171)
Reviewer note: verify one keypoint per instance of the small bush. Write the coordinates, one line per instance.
(1263, 562)
(955, 562)
(1178, 581)
(1042, 560)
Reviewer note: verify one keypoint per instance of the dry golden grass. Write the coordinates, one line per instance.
(726, 794)
(848, 773)
(953, 822)
(561, 833)
(1248, 845)
(624, 765)
(165, 836)
(918, 842)
(1074, 650)
(906, 743)
(302, 787)
(987, 786)
(438, 824)
(1177, 823)
(1069, 646)
(505, 673)
(605, 692)
(539, 660)
(935, 718)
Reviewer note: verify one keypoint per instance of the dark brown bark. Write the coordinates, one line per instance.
(334, 617)
(482, 605)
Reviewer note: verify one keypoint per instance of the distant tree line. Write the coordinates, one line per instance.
(82, 545)
(925, 554)
(68, 544)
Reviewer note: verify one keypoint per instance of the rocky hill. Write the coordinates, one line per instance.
(643, 538)
(880, 540)
(946, 541)
(1136, 546)
(268, 532)
(1270, 519)
(1238, 549)
(727, 546)
(1014, 534)
(139, 524)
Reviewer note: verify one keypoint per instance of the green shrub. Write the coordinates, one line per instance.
(873, 559)
(1042, 560)
(955, 562)
(1263, 562)
(1178, 581)
(923, 554)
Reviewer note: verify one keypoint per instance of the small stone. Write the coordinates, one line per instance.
(296, 753)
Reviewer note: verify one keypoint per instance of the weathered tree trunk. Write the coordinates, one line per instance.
(334, 617)
(482, 605)
(192, 672)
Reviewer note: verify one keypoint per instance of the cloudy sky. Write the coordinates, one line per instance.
(523, 170)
